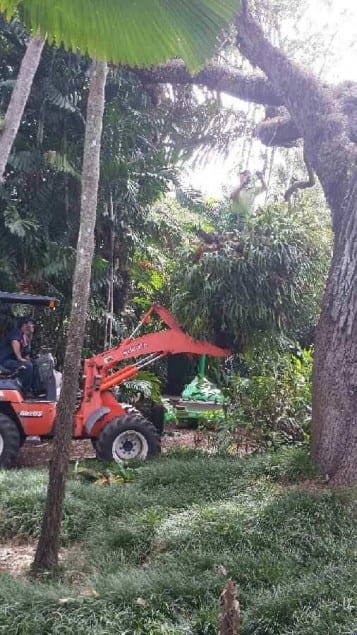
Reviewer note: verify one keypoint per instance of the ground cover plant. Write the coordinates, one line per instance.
(151, 556)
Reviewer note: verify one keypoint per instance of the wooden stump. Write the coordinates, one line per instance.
(229, 618)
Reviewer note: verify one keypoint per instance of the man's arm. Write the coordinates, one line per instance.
(263, 185)
(17, 350)
(244, 181)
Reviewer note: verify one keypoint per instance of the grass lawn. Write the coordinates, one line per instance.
(147, 557)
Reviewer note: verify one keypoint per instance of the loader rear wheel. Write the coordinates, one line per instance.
(126, 438)
(9, 441)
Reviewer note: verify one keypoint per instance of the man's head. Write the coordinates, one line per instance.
(26, 325)
(245, 177)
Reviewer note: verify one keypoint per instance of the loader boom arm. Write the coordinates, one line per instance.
(168, 341)
(98, 370)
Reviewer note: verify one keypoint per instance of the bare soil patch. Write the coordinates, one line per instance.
(38, 453)
(16, 557)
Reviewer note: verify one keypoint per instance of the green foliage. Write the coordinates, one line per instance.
(145, 133)
(113, 474)
(147, 557)
(271, 403)
(137, 33)
(145, 385)
(265, 277)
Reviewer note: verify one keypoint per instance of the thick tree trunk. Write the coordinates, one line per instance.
(46, 556)
(334, 431)
(19, 97)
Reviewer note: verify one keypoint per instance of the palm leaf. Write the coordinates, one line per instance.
(138, 33)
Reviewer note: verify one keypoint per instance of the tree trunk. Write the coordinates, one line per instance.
(19, 97)
(230, 618)
(111, 271)
(334, 431)
(110, 298)
(46, 556)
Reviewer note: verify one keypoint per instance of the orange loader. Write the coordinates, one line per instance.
(117, 430)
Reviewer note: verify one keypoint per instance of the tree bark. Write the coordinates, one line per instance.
(46, 556)
(334, 406)
(255, 88)
(19, 97)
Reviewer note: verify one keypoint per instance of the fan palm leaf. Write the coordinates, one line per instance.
(137, 33)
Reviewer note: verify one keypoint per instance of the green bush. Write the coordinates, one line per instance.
(274, 399)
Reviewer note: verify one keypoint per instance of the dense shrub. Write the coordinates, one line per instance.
(271, 400)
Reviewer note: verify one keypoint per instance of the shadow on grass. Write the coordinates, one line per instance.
(152, 551)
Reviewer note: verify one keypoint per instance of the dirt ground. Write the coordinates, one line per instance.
(15, 557)
(36, 453)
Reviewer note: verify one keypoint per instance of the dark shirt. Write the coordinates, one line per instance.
(6, 350)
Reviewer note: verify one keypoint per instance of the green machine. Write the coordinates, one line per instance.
(200, 401)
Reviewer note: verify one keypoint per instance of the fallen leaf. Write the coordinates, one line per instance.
(65, 600)
(91, 593)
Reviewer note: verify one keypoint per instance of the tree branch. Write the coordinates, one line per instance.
(254, 88)
(277, 129)
(301, 185)
(316, 112)
(324, 117)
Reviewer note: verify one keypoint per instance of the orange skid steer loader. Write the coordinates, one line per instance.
(117, 430)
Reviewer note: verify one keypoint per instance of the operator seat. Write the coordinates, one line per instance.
(5, 372)
(9, 379)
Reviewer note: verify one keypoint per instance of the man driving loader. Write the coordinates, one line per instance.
(15, 352)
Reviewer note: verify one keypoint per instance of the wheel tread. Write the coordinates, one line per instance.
(127, 422)
(11, 438)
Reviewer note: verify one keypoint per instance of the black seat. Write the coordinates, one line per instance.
(5, 372)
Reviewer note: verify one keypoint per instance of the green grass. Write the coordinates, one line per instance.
(161, 538)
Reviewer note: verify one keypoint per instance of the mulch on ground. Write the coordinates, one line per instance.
(38, 453)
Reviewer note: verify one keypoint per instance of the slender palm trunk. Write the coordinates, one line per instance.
(46, 556)
(19, 97)
(111, 271)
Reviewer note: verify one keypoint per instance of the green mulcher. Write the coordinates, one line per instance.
(200, 402)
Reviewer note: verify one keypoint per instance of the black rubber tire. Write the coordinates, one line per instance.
(129, 422)
(9, 443)
(157, 417)
(153, 412)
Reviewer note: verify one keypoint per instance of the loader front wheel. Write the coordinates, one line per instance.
(126, 438)
(9, 441)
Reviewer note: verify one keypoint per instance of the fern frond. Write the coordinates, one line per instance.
(137, 33)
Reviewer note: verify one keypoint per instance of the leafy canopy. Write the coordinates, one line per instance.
(137, 33)
(263, 277)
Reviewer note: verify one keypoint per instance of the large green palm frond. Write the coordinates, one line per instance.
(137, 33)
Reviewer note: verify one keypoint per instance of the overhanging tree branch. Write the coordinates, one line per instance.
(277, 129)
(301, 185)
(316, 112)
(254, 88)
